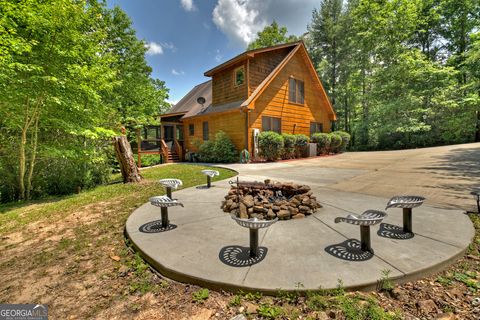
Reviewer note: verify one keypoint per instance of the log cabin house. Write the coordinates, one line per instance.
(274, 88)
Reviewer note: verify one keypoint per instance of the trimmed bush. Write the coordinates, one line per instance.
(323, 142)
(224, 150)
(301, 141)
(335, 142)
(221, 149)
(289, 141)
(345, 139)
(205, 151)
(270, 144)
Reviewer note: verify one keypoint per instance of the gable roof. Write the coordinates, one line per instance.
(264, 84)
(188, 105)
(246, 55)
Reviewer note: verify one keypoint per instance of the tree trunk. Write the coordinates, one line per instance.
(124, 154)
(22, 164)
(477, 127)
(33, 157)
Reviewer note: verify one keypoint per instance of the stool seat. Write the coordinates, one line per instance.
(164, 202)
(171, 183)
(368, 218)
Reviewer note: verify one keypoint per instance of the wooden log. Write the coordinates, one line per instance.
(124, 154)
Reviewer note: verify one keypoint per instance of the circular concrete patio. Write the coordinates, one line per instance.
(207, 247)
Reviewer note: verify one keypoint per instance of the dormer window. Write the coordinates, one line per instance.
(239, 76)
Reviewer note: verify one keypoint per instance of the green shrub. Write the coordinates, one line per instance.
(205, 151)
(148, 160)
(301, 141)
(288, 146)
(224, 150)
(221, 150)
(270, 144)
(335, 142)
(323, 142)
(345, 139)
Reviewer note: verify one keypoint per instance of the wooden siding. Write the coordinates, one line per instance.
(273, 102)
(232, 123)
(224, 89)
(263, 64)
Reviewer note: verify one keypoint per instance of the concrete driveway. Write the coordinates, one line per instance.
(444, 175)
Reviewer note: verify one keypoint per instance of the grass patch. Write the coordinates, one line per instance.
(15, 216)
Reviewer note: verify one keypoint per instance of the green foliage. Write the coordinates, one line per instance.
(270, 312)
(469, 278)
(289, 141)
(224, 149)
(345, 139)
(271, 35)
(270, 144)
(386, 283)
(400, 74)
(236, 301)
(71, 74)
(252, 296)
(220, 150)
(323, 142)
(200, 295)
(206, 151)
(148, 160)
(335, 142)
(301, 141)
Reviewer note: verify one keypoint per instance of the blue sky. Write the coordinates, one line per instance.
(188, 37)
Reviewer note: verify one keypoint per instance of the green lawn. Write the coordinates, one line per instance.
(14, 216)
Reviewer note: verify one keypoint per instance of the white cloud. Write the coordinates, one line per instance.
(240, 20)
(188, 5)
(153, 48)
(158, 48)
(218, 56)
(170, 46)
(177, 73)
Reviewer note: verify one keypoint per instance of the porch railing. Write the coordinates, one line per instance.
(178, 149)
(164, 150)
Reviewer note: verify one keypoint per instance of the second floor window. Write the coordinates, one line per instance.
(271, 124)
(205, 131)
(239, 75)
(296, 91)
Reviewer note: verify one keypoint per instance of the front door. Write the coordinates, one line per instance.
(168, 135)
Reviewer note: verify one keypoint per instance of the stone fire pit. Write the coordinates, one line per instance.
(269, 200)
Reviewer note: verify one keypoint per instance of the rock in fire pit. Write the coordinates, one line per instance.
(267, 200)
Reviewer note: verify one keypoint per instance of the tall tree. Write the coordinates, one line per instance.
(271, 35)
(326, 33)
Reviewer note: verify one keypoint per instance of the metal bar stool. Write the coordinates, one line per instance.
(407, 203)
(253, 224)
(170, 184)
(210, 174)
(164, 202)
(365, 220)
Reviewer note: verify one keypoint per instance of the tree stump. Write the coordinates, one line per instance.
(124, 154)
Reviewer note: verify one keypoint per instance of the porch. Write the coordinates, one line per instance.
(165, 140)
